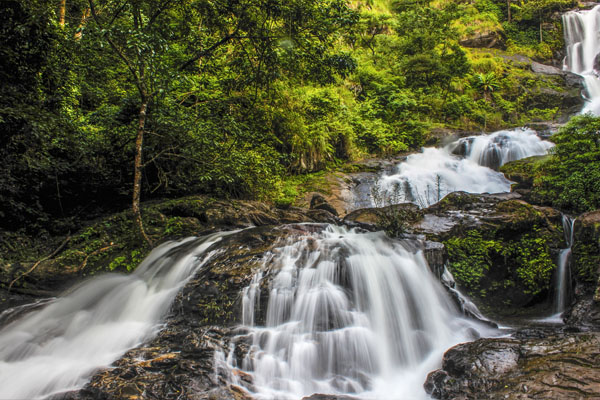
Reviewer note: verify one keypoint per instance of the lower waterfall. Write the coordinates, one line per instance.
(56, 349)
(347, 313)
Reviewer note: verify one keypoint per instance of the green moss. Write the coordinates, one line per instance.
(586, 258)
(534, 266)
(471, 259)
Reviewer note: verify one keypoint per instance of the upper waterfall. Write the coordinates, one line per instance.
(468, 164)
(582, 40)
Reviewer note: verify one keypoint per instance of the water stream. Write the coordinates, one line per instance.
(56, 349)
(582, 39)
(563, 273)
(468, 164)
(347, 313)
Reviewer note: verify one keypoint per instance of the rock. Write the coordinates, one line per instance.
(545, 69)
(494, 242)
(489, 40)
(436, 256)
(375, 218)
(318, 202)
(585, 314)
(562, 366)
(318, 396)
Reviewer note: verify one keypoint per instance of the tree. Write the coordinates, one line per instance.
(161, 42)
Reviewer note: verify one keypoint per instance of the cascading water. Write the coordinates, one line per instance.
(582, 38)
(464, 165)
(56, 349)
(347, 313)
(563, 273)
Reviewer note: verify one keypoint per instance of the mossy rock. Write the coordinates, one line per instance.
(502, 250)
(586, 251)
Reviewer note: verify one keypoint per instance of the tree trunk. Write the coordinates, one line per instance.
(62, 12)
(508, 10)
(137, 170)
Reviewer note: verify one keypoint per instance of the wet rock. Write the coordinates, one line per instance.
(376, 218)
(329, 397)
(564, 366)
(494, 242)
(585, 314)
(318, 202)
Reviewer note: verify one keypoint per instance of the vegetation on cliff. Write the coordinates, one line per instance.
(569, 178)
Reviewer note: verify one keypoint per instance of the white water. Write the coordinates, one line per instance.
(426, 177)
(582, 38)
(57, 349)
(563, 281)
(348, 313)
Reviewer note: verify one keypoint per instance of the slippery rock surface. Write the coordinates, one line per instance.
(566, 366)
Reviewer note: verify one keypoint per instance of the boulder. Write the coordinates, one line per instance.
(490, 39)
(501, 249)
(318, 202)
(564, 366)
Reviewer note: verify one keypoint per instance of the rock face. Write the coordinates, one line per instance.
(566, 366)
(501, 249)
(585, 267)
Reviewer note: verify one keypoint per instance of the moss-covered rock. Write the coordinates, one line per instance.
(501, 249)
(586, 250)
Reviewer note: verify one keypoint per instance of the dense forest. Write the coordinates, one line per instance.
(299, 199)
(107, 101)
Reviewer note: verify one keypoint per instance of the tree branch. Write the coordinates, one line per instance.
(119, 52)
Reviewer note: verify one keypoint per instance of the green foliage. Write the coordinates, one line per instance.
(534, 265)
(587, 259)
(476, 263)
(242, 95)
(471, 260)
(570, 179)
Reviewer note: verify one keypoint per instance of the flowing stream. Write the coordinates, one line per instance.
(468, 164)
(347, 313)
(582, 38)
(563, 273)
(56, 349)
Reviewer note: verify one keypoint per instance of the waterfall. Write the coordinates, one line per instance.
(582, 30)
(347, 313)
(56, 349)
(563, 273)
(467, 164)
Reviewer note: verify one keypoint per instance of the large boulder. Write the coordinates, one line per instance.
(502, 250)
(585, 269)
(565, 366)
